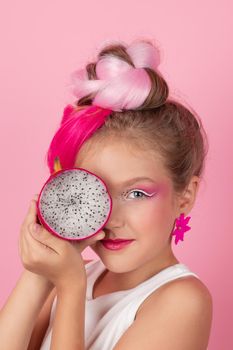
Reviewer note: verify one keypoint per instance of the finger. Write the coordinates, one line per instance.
(23, 250)
(33, 244)
(31, 215)
(97, 237)
(36, 196)
(89, 241)
(22, 233)
(19, 247)
(47, 238)
(34, 253)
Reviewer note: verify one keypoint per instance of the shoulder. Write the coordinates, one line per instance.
(188, 288)
(188, 291)
(189, 296)
(191, 290)
(179, 313)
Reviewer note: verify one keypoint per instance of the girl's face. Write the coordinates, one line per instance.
(143, 210)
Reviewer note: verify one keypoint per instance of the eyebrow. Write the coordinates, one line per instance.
(136, 179)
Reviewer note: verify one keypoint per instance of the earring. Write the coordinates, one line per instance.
(181, 227)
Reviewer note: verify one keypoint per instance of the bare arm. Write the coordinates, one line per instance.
(68, 328)
(69, 323)
(179, 319)
(42, 322)
(19, 313)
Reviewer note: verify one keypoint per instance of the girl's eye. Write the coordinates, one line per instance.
(141, 194)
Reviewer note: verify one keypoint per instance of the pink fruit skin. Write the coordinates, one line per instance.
(48, 227)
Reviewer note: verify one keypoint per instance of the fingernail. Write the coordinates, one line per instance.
(101, 236)
(36, 227)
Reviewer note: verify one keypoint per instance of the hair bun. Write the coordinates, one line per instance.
(122, 78)
(144, 55)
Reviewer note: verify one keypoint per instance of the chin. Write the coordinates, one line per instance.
(117, 264)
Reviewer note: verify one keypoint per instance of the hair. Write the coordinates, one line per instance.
(125, 80)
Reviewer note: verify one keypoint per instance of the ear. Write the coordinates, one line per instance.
(187, 199)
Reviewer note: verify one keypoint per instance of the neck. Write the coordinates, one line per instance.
(130, 279)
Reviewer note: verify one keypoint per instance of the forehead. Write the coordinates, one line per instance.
(117, 162)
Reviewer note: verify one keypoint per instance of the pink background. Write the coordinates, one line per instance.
(43, 42)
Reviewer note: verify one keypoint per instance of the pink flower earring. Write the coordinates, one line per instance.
(181, 227)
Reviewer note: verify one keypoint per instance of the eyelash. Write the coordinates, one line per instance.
(140, 198)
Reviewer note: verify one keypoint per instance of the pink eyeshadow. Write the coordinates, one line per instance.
(162, 188)
(148, 189)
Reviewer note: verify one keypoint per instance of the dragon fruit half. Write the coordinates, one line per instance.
(73, 204)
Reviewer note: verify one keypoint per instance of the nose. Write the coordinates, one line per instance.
(116, 216)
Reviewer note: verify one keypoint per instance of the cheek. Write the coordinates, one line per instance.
(154, 217)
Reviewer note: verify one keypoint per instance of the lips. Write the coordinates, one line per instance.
(117, 240)
(116, 244)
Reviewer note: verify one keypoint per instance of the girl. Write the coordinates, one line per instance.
(150, 151)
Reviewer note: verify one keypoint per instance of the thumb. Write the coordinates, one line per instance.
(97, 237)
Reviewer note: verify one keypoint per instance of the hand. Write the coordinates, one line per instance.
(58, 260)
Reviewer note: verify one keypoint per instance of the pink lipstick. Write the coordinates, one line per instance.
(115, 244)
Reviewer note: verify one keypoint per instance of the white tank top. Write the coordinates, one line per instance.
(108, 316)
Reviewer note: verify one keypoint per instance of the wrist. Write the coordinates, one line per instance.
(71, 288)
(41, 282)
